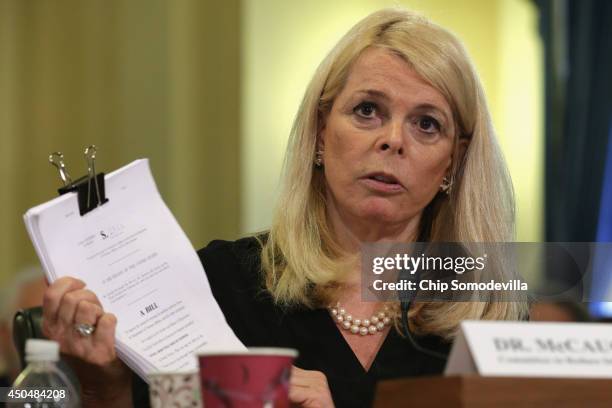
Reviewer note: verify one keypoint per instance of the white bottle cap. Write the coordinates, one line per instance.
(41, 350)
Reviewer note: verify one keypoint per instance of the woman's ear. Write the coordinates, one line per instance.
(458, 155)
(320, 142)
(462, 146)
(321, 128)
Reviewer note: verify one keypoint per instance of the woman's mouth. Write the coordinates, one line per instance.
(383, 182)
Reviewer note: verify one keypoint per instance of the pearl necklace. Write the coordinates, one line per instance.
(373, 325)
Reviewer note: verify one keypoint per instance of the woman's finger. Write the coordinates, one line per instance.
(306, 377)
(298, 396)
(104, 339)
(86, 313)
(54, 294)
(299, 381)
(309, 388)
(308, 397)
(69, 303)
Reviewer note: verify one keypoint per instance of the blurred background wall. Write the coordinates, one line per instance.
(138, 78)
(208, 90)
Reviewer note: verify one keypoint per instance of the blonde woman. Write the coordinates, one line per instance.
(392, 142)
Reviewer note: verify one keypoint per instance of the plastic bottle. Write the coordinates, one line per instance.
(45, 385)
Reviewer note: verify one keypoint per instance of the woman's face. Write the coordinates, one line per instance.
(387, 142)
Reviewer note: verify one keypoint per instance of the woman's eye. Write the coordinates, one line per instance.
(366, 110)
(428, 124)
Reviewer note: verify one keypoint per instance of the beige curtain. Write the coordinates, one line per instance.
(138, 78)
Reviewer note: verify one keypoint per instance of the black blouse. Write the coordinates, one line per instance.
(233, 270)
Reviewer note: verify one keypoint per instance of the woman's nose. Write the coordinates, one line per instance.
(392, 139)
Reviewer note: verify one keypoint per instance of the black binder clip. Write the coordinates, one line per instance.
(89, 188)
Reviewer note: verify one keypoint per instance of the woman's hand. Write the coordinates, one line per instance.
(102, 375)
(309, 389)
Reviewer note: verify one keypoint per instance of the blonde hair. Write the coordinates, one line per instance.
(300, 257)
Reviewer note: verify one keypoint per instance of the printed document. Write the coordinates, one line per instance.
(133, 254)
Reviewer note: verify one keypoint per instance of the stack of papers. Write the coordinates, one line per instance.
(133, 254)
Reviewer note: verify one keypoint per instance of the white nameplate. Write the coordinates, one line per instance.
(523, 349)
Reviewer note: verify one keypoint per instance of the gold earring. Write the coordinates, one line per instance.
(318, 161)
(446, 185)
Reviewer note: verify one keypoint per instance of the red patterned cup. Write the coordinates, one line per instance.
(258, 377)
